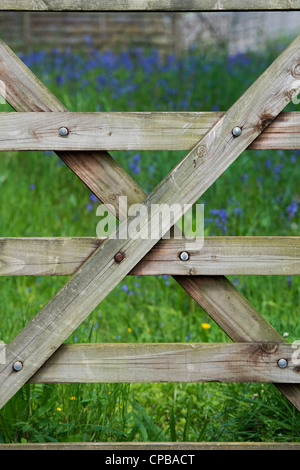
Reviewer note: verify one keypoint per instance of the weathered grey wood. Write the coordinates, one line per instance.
(148, 5)
(198, 362)
(218, 255)
(236, 316)
(68, 309)
(160, 446)
(130, 131)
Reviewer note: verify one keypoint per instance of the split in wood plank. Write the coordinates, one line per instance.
(131, 131)
(148, 5)
(213, 256)
(176, 362)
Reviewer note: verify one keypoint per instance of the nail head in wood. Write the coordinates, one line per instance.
(119, 257)
(18, 366)
(282, 363)
(236, 131)
(63, 131)
(184, 256)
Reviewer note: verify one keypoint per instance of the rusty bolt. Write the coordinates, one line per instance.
(18, 366)
(119, 257)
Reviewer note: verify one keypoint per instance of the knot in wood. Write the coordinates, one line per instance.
(201, 151)
(296, 70)
(265, 120)
(269, 348)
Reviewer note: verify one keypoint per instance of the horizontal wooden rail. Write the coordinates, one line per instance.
(155, 446)
(175, 362)
(130, 131)
(213, 256)
(148, 5)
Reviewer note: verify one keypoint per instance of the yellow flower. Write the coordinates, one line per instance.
(205, 326)
(129, 330)
(58, 409)
(72, 398)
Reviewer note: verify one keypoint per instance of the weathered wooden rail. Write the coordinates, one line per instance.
(148, 5)
(259, 353)
(215, 256)
(131, 131)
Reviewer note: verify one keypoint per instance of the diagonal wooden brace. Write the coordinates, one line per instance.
(214, 153)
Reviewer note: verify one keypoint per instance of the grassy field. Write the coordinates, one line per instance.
(258, 195)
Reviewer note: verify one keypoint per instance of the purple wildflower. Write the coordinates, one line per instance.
(94, 198)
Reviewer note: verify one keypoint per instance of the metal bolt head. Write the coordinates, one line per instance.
(236, 131)
(18, 366)
(282, 363)
(184, 256)
(119, 257)
(63, 131)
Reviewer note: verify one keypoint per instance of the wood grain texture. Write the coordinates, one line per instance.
(156, 446)
(148, 5)
(130, 131)
(216, 256)
(198, 362)
(274, 89)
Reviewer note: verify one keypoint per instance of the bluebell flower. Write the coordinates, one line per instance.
(88, 40)
(60, 80)
(268, 164)
(94, 198)
(292, 209)
(277, 170)
(238, 211)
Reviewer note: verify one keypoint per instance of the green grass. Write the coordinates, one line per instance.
(41, 197)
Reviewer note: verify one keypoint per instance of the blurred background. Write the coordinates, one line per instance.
(237, 32)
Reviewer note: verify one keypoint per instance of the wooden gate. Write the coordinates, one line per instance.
(37, 354)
